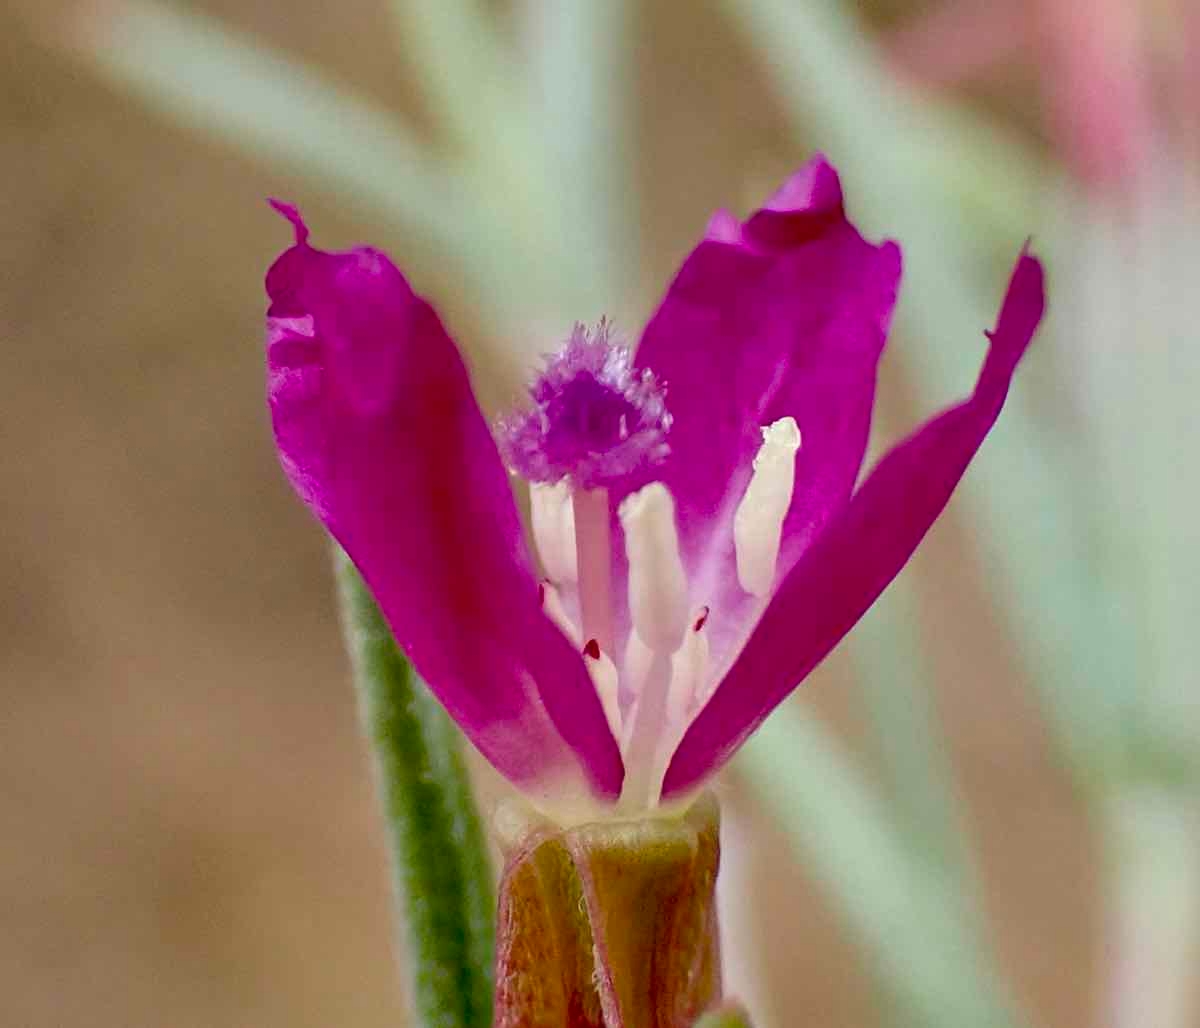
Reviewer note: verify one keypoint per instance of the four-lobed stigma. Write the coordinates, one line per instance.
(594, 417)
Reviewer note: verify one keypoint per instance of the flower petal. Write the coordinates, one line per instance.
(785, 315)
(860, 551)
(380, 434)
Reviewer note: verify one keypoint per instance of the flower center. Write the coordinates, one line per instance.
(594, 420)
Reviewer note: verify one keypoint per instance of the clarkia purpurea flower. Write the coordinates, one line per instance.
(701, 540)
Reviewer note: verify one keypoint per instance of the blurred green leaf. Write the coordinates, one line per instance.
(581, 70)
(199, 72)
(891, 671)
(471, 76)
(895, 142)
(926, 957)
(1152, 866)
(439, 851)
(1143, 375)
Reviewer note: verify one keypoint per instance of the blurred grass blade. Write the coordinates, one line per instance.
(926, 959)
(1128, 297)
(470, 75)
(200, 73)
(828, 73)
(439, 851)
(581, 67)
(903, 161)
(890, 669)
(196, 70)
(1152, 838)
(1163, 425)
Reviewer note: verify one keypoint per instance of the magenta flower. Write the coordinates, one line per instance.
(701, 541)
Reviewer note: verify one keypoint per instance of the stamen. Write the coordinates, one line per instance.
(634, 667)
(553, 522)
(688, 666)
(758, 523)
(594, 564)
(660, 712)
(657, 583)
(658, 609)
(643, 734)
(604, 677)
(552, 605)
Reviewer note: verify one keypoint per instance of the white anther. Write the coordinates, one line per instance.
(657, 583)
(553, 518)
(552, 606)
(604, 677)
(758, 523)
(688, 666)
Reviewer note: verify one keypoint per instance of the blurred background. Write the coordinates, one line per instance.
(981, 810)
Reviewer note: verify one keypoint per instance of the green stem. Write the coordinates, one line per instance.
(442, 876)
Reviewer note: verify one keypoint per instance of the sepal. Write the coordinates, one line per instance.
(611, 924)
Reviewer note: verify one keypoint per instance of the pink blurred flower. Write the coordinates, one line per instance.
(1093, 62)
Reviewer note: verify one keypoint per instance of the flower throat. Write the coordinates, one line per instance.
(595, 429)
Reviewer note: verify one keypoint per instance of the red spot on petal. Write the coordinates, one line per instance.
(700, 620)
(542, 593)
(592, 649)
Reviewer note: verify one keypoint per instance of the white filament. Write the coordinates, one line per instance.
(657, 583)
(661, 711)
(552, 605)
(635, 665)
(594, 564)
(604, 677)
(758, 523)
(688, 667)
(658, 610)
(643, 735)
(553, 521)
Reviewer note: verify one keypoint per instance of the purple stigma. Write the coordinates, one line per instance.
(594, 417)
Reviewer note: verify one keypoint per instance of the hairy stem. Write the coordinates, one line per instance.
(442, 876)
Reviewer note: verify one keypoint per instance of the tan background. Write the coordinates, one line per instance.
(187, 831)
